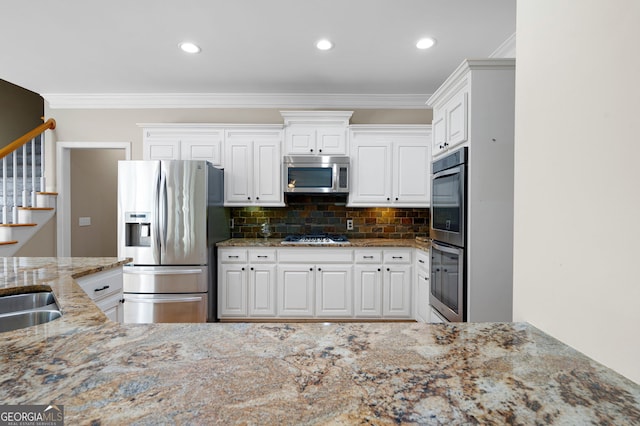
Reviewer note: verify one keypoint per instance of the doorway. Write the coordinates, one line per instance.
(87, 199)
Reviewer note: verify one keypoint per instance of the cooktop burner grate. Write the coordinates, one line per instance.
(316, 239)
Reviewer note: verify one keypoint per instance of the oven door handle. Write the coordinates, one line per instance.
(448, 172)
(446, 249)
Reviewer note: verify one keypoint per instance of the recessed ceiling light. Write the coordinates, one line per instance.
(189, 47)
(425, 43)
(324, 44)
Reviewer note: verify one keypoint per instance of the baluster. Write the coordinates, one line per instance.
(33, 172)
(24, 176)
(42, 178)
(14, 175)
(4, 190)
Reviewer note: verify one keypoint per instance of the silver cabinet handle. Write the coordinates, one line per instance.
(172, 300)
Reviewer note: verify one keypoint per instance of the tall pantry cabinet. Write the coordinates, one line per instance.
(475, 107)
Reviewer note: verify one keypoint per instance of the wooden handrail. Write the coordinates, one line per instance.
(49, 124)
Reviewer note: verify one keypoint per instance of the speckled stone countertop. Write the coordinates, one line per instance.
(421, 243)
(297, 373)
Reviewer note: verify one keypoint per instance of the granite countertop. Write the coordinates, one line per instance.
(420, 242)
(296, 373)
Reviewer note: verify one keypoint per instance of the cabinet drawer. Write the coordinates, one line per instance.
(315, 255)
(368, 256)
(258, 256)
(232, 256)
(102, 284)
(397, 256)
(422, 259)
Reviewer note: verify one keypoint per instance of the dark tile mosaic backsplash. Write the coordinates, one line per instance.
(328, 214)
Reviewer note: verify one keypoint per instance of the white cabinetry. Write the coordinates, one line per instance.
(183, 142)
(253, 166)
(396, 284)
(295, 290)
(475, 107)
(421, 288)
(105, 289)
(368, 283)
(391, 165)
(316, 132)
(246, 283)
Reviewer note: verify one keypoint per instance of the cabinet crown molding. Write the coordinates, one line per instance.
(469, 65)
(333, 118)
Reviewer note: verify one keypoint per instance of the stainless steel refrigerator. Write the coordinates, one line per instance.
(171, 215)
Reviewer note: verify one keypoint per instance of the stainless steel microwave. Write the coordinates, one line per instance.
(316, 174)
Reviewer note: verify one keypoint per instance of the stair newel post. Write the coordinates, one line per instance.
(24, 175)
(43, 181)
(4, 190)
(14, 179)
(33, 172)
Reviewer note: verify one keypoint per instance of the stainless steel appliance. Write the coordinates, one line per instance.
(170, 217)
(448, 199)
(315, 239)
(316, 174)
(448, 290)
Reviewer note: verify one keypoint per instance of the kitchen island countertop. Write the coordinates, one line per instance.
(295, 373)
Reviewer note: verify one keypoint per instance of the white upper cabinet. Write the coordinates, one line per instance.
(183, 142)
(474, 89)
(316, 132)
(390, 165)
(253, 166)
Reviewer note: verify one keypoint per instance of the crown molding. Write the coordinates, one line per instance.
(507, 49)
(233, 100)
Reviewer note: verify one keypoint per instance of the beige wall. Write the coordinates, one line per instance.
(577, 176)
(94, 181)
(120, 125)
(42, 244)
(20, 111)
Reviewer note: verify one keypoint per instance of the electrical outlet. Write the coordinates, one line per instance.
(349, 224)
(231, 224)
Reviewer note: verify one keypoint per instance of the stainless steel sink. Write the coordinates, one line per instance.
(27, 309)
(24, 319)
(26, 301)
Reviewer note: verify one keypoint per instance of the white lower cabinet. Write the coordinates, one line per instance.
(334, 291)
(421, 288)
(105, 289)
(295, 291)
(340, 283)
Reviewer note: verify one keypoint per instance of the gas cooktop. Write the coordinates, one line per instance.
(315, 239)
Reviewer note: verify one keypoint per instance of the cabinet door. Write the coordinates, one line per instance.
(331, 141)
(371, 174)
(439, 132)
(457, 119)
(262, 291)
(300, 140)
(232, 291)
(295, 290)
(397, 291)
(368, 291)
(205, 147)
(267, 173)
(422, 308)
(238, 173)
(112, 307)
(334, 290)
(412, 165)
(161, 149)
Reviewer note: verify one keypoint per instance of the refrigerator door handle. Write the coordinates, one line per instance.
(163, 210)
(164, 300)
(155, 226)
(165, 272)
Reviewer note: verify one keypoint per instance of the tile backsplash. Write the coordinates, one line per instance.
(328, 214)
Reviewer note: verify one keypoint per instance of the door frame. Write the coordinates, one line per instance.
(63, 180)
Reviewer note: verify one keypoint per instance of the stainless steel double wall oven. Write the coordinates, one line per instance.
(448, 234)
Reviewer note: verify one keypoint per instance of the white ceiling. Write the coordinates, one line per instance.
(248, 46)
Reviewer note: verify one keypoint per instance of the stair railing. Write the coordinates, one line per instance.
(28, 194)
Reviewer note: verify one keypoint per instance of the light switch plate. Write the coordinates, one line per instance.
(84, 221)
